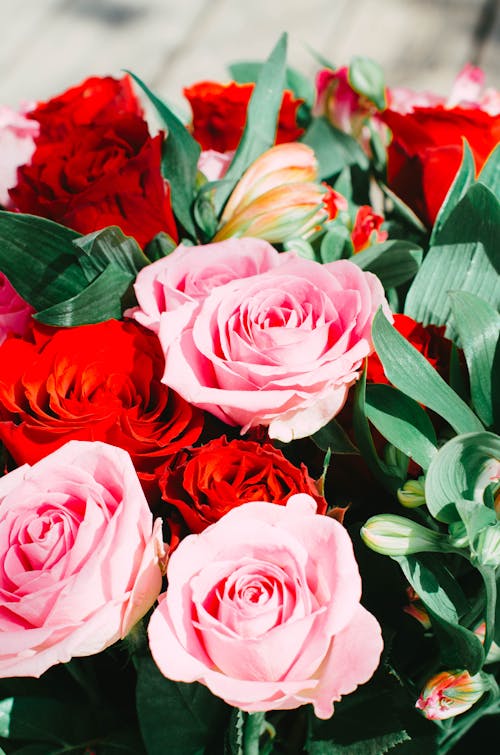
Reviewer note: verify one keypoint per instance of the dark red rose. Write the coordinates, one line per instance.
(95, 165)
(205, 483)
(220, 112)
(92, 382)
(429, 340)
(96, 101)
(426, 151)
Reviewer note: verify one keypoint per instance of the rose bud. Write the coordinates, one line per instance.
(450, 693)
(394, 535)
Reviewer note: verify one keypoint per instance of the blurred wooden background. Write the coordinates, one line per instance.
(48, 45)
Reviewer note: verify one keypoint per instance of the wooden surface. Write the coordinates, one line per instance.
(48, 45)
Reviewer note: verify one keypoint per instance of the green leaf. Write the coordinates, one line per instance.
(371, 746)
(204, 210)
(465, 257)
(437, 589)
(402, 421)
(244, 72)
(100, 301)
(44, 719)
(234, 733)
(367, 78)
(490, 172)
(460, 470)
(161, 246)
(262, 117)
(394, 262)
(343, 184)
(333, 148)
(333, 437)
(303, 248)
(176, 718)
(336, 243)
(475, 518)
(110, 245)
(391, 480)
(461, 183)
(180, 159)
(409, 371)
(478, 326)
(381, 705)
(45, 249)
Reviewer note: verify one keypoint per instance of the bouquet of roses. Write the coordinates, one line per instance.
(250, 489)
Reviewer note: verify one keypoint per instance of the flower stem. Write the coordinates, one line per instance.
(252, 731)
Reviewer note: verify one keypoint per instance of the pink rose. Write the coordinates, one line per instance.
(177, 283)
(278, 348)
(15, 313)
(263, 607)
(79, 556)
(17, 144)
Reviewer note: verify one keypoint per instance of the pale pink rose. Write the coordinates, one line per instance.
(15, 313)
(17, 144)
(263, 607)
(279, 348)
(179, 282)
(79, 560)
(214, 164)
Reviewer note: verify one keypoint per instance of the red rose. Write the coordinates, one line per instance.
(96, 165)
(92, 382)
(426, 148)
(429, 340)
(205, 483)
(96, 101)
(220, 112)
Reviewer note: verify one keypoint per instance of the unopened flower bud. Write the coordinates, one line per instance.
(277, 198)
(450, 693)
(395, 535)
(412, 494)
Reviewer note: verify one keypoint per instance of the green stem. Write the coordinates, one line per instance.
(251, 733)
